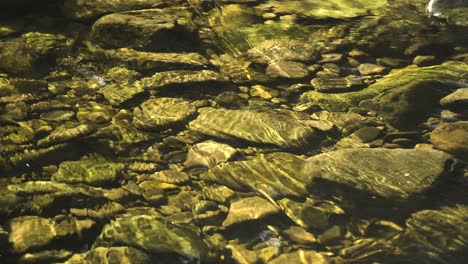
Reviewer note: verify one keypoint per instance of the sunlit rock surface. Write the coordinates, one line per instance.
(85, 10)
(128, 255)
(452, 138)
(154, 234)
(396, 174)
(209, 154)
(253, 208)
(394, 97)
(322, 9)
(283, 129)
(443, 231)
(94, 170)
(272, 175)
(162, 112)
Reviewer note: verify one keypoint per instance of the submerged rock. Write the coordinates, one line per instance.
(321, 10)
(457, 100)
(152, 61)
(181, 77)
(164, 30)
(128, 255)
(394, 174)
(301, 256)
(154, 234)
(209, 154)
(273, 175)
(94, 170)
(30, 232)
(85, 10)
(443, 231)
(283, 129)
(452, 138)
(32, 53)
(162, 112)
(66, 133)
(395, 97)
(247, 209)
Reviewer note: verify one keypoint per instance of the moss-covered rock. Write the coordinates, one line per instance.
(394, 174)
(94, 170)
(168, 29)
(281, 128)
(32, 53)
(273, 175)
(154, 234)
(395, 97)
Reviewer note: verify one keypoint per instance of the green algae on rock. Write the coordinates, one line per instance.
(393, 174)
(162, 112)
(281, 128)
(391, 95)
(94, 170)
(155, 235)
(273, 175)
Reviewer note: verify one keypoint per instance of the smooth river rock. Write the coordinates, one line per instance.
(452, 138)
(273, 175)
(154, 234)
(283, 129)
(394, 174)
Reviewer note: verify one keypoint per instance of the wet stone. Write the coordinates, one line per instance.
(397, 174)
(46, 256)
(287, 69)
(370, 69)
(209, 154)
(155, 61)
(154, 235)
(79, 10)
(301, 256)
(31, 232)
(272, 175)
(65, 133)
(118, 94)
(305, 214)
(128, 255)
(284, 130)
(217, 193)
(443, 230)
(299, 235)
(57, 116)
(94, 170)
(247, 209)
(395, 96)
(145, 29)
(182, 77)
(162, 112)
(457, 100)
(424, 60)
(452, 138)
(170, 176)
